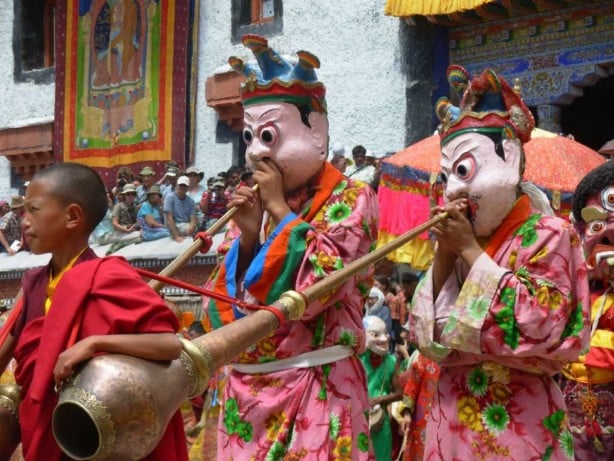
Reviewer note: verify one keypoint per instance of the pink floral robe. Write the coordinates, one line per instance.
(313, 413)
(500, 331)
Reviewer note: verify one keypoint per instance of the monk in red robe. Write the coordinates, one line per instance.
(79, 306)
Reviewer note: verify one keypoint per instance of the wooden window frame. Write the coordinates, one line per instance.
(257, 13)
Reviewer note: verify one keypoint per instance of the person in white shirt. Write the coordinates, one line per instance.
(360, 170)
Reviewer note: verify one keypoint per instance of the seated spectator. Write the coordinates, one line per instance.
(168, 182)
(10, 226)
(213, 203)
(4, 208)
(150, 216)
(125, 227)
(5, 248)
(233, 178)
(339, 161)
(196, 190)
(360, 170)
(105, 227)
(180, 211)
(124, 176)
(147, 180)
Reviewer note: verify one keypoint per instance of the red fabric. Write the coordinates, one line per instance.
(207, 241)
(112, 299)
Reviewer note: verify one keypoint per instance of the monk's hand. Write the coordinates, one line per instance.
(70, 358)
(270, 180)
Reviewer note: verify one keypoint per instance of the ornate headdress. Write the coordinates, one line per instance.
(487, 104)
(273, 78)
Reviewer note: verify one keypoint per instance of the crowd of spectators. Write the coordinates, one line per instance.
(143, 207)
(364, 165)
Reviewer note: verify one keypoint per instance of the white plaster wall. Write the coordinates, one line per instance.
(357, 46)
(359, 53)
(21, 104)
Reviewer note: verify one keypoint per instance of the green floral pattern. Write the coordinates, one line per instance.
(519, 312)
(233, 422)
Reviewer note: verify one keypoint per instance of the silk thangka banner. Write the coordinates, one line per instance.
(124, 76)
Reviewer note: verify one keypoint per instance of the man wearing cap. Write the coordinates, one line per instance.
(180, 211)
(299, 393)
(169, 180)
(213, 202)
(147, 180)
(10, 226)
(505, 302)
(196, 190)
(126, 229)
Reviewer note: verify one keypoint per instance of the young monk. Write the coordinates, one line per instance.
(103, 300)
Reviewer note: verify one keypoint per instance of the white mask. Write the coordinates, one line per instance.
(472, 169)
(377, 335)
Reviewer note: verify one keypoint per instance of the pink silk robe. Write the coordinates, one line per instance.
(500, 331)
(313, 413)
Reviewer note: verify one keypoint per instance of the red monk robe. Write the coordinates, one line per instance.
(106, 296)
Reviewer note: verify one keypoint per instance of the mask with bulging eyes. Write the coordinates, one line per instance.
(471, 169)
(598, 234)
(275, 131)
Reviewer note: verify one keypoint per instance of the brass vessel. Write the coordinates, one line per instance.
(117, 407)
(9, 422)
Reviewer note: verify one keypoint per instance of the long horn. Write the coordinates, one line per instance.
(9, 425)
(185, 257)
(117, 407)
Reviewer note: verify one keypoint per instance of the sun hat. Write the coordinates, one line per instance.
(183, 181)
(219, 182)
(196, 171)
(128, 188)
(147, 171)
(172, 171)
(155, 189)
(16, 201)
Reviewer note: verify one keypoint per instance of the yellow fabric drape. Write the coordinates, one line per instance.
(430, 7)
(418, 253)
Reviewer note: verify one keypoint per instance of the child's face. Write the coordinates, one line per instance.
(45, 218)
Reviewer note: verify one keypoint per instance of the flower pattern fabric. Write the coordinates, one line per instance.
(316, 413)
(500, 330)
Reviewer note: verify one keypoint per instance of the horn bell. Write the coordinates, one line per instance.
(9, 423)
(122, 416)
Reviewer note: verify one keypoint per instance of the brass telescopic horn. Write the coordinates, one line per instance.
(9, 423)
(117, 407)
(185, 257)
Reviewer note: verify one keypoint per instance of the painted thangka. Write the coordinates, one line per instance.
(124, 74)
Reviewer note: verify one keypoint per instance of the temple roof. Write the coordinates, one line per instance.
(454, 13)
(430, 7)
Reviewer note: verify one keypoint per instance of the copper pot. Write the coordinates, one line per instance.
(117, 407)
(9, 423)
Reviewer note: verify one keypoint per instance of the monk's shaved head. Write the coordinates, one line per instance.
(80, 184)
